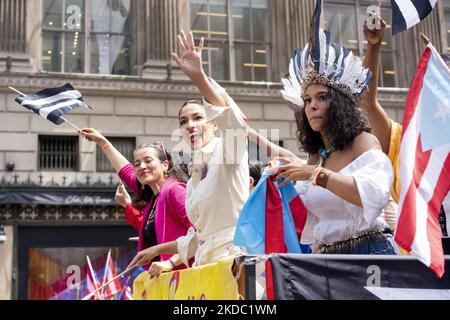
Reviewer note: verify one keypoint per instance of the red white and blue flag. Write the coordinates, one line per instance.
(272, 219)
(114, 287)
(92, 282)
(425, 161)
(126, 293)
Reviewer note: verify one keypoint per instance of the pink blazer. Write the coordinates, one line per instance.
(171, 221)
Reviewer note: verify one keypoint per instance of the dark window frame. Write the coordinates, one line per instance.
(230, 43)
(99, 155)
(85, 33)
(74, 167)
(394, 51)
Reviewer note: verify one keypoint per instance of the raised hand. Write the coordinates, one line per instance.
(93, 135)
(374, 36)
(190, 59)
(122, 197)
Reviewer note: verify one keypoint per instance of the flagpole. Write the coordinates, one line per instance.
(17, 91)
(74, 126)
(68, 122)
(114, 279)
(424, 38)
(105, 272)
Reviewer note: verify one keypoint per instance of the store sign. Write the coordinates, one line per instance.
(49, 198)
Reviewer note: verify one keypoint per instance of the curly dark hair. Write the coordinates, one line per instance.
(343, 122)
(144, 195)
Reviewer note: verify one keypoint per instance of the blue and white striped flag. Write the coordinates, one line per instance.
(408, 13)
(52, 103)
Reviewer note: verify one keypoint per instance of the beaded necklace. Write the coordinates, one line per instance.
(325, 152)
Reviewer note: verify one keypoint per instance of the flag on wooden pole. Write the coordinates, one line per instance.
(52, 103)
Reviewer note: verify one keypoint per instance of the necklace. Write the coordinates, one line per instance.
(325, 152)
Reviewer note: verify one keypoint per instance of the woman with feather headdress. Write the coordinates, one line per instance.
(346, 183)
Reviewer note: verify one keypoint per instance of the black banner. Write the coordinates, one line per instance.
(338, 277)
(68, 197)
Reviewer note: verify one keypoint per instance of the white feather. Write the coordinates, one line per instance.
(323, 50)
(346, 70)
(291, 93)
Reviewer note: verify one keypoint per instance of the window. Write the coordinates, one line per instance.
(57, 153)
(345, 21)
(125, 146)
(45, 264)
(81, 36)
(237, 38)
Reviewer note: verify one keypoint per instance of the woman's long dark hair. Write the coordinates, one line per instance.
(343, 122)
(199, 102)
(144, 195)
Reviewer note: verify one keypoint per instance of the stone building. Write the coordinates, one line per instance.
(56, 189)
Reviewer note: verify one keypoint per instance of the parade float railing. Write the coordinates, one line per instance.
(301, 277)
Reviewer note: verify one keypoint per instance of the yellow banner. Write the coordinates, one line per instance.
(210, 282)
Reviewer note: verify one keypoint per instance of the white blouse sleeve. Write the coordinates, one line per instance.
(187, 246)
(373, 174)
(232, 127)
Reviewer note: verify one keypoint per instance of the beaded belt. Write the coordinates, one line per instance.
(324, 248)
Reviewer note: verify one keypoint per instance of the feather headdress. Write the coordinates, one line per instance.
(321, 62)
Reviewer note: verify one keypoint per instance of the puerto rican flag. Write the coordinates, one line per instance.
(92, 282)
(425, 161)
(126, 294)
(110, 273)
(271, 221)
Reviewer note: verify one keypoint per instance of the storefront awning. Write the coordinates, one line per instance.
(58, 196)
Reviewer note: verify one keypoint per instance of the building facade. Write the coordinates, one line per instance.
(57, 190)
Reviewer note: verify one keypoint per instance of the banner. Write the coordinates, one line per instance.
(339, 277)
(210, 282)
(72, 197)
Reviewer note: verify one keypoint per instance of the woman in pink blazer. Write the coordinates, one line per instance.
(158, 213)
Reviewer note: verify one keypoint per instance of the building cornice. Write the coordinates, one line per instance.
(132, 86)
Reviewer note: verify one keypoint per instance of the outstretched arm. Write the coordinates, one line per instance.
(146, 256)
(344, 186)
(378, 118)
(190, 62)
(117, 160)
(272, 149)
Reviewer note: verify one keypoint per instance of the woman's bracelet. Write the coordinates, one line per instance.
(313, 177)
(322, 178)
(172, 263)
(106, 146)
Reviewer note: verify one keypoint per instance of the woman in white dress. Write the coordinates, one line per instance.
(346, 183)
(219, 185)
